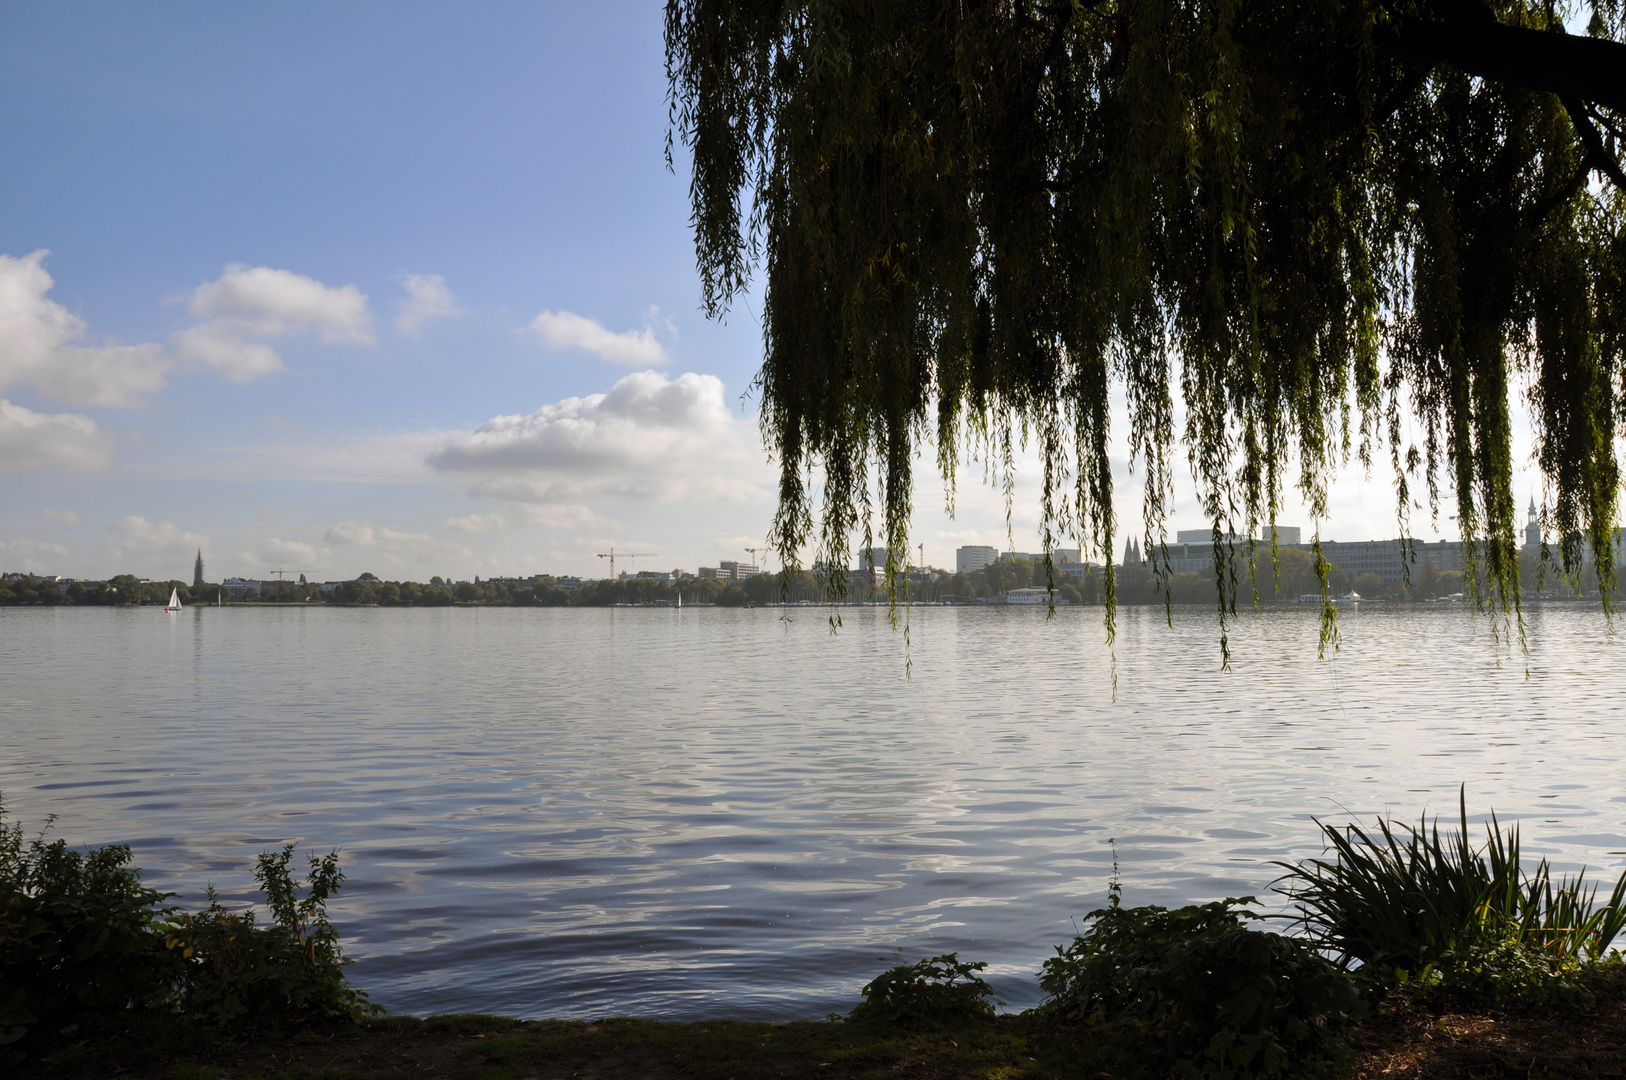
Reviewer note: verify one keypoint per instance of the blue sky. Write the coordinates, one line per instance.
(337, 287)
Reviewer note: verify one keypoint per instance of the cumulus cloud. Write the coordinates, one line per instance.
(43, 344)
(361, 534)
(33, 440)
(246, 305)
(476, 523)
(565, 330)
(428, 299)
(40, 345)
(548, 517)
(292, 554)
(649, 437)
(149, 544)
(33, 556)
(396, 549)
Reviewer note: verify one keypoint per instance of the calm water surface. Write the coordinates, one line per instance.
(577, 813)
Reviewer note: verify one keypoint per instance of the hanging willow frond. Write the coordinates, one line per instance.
(1310, 218)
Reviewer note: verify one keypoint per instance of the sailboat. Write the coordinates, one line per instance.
(174, 600)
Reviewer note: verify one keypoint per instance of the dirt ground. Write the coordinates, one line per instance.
(1416, 1044)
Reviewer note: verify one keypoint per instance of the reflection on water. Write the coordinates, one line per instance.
(577, 813)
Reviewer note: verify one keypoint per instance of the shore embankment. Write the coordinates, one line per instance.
(1410, 1044)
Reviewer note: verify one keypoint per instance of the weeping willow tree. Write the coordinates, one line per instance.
(1332, 227)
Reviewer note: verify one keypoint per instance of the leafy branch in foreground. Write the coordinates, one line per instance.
(1329, 228)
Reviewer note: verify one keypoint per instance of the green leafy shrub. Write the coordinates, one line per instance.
(77, 938)
(934, 991)
(85, 947)
(232, 968)
(1196, 992)
(1413, 910)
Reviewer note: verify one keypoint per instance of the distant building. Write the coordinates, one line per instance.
(1132, 555)
(1206, 536)
(1286, 536)
(974, 557)
(197, 569)
(240, 588)
(1532, 527)
(1057, 555)
(1386, 558)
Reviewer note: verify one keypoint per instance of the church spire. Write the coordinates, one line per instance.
(197, 569)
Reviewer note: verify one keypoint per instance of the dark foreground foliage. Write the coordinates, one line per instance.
(943, 989)
(88, 951)
(1197, 992)
(1420, 913)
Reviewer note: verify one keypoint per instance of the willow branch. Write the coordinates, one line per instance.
(1470, 38)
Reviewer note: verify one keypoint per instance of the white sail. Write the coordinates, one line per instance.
(174, 600)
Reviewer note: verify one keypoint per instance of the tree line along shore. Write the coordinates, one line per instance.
(1291, 578)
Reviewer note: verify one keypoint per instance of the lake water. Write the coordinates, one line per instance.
(702, 812)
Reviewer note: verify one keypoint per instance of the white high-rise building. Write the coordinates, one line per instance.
(974, 557)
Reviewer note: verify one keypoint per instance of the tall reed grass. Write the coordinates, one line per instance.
(1399, 898)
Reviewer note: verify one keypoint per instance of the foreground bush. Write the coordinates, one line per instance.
(940, 990)
(85, 948)
(1196, 992)
(1414, 910)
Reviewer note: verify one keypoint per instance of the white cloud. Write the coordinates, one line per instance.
(362, 534)
(32, 556)
(61, 517)
(306, 558)
(548, 517)
(649, 437)
(149, 544)
(32, 440)
(395, 550)
(428, 299)
(351, 532)
(476, 523)
(38, 346)
(564, 330)
(248, 303)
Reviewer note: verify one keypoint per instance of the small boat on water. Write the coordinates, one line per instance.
(174, 600)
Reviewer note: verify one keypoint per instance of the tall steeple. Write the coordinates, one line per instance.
(197, 569)
(1532, 527)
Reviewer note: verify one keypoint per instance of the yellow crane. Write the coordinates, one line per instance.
(613, 555)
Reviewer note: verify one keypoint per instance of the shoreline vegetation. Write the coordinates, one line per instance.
(1293, 580)
(1415, 952)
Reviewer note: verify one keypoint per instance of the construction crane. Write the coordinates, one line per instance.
(280, 573)
(613, 555)
(752, 551)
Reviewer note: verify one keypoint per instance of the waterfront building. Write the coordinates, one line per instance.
(239, 588)
(1532, 527)
(1387, 558)
(1205, 536)
(1057, 556)
(974, 557)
